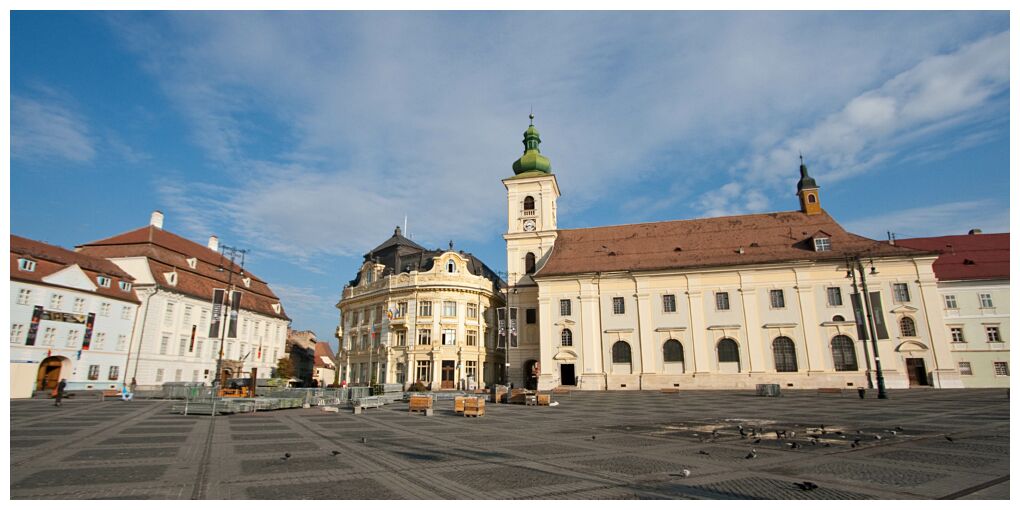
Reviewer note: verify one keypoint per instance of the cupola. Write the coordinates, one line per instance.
(532, 160)
(807, 190)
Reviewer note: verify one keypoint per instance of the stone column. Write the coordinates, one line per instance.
(696, 305)
(645, 334)
(753, 329)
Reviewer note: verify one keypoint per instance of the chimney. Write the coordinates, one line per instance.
(974, 231)
(156, 220)
(214, 243)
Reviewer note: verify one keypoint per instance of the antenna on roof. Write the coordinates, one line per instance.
(405, 224)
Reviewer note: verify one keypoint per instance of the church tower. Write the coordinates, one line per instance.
(531, 211)
(807, 190)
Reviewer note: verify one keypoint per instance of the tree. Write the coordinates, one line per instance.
(284, 368)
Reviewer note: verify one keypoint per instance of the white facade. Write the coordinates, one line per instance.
(102, 366)
(977, 325)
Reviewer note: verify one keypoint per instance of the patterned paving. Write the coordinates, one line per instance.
(643, 444)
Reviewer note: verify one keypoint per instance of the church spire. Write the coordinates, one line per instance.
(532, 160)
(807, 190)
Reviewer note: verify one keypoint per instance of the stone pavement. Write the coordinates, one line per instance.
(621, 445)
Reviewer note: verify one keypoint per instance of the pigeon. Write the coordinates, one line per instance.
(806, 486)
(335, 452)
(826, 444)
(795, 445)
(757, 441)
(752, 454)
(814, 440)
(743, 435)
(822, 428)
(893, 432)
(683, 474)
(949, 438)
(793, 434)
(715, 433)
(286, 456)
(703, 452)
(877, 437)
(860, 432)
(364, 440)
(856, 443)
(592, 438)
(899, 428)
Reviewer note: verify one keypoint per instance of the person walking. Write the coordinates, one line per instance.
(60, 391)
(134, 386)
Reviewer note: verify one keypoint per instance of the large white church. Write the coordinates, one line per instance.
(725, 302)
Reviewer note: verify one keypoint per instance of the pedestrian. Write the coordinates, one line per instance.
(134, 386)
(60, 391)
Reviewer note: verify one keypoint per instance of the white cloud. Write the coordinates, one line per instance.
(45, 129)
(953, 218)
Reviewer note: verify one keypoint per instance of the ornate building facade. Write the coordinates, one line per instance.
(713, 303)
(413, 314)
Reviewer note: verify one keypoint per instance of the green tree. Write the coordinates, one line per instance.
(284, 368)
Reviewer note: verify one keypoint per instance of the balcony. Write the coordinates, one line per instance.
(528, 213)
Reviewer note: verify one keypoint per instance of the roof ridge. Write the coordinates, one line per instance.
(683, 220)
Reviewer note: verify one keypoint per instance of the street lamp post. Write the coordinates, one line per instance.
(856, 261)
(228, 298)
(850, 273)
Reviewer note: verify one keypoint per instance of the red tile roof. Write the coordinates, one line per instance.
(322, 349)
(167, 252)
(50, 259)
(710, 242)
(966, 257)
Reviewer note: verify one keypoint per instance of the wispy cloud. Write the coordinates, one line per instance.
(936, 220)
(46, 128)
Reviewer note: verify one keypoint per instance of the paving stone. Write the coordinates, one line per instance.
(260, 437)
(28, 443)
(297, 463)
(488, 478)
(291, 446)
(92, 476)
(548, 449)
(122, 440)
(156, 430)
(43, 432)
(932, 458)
(123, 454)
(361, 488)
(631, 465)
(764, 488)
(885, 475)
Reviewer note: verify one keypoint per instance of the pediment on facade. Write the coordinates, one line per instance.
(904, 309)
(565, 356)
(911, 345)
(620, 330)
(667, 329)
(564, 322)
(718, 327)
(72, 276)
(838, 323)
(779, 325)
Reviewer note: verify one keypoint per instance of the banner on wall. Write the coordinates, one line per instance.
(217, 313)
(235, 309)
(87, 340)
(33, 327)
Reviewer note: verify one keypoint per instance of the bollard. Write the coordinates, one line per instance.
(860, 393)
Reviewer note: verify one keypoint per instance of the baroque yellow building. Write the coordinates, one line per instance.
(725, 302)
(417, 315)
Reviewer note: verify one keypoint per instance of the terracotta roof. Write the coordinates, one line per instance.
(966, 257)
(322, 350)
(50, 259)
(167, 252)
(709, 242)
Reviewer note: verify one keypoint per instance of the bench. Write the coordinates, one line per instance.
(365, 402)
(420, 404)
(474, 406)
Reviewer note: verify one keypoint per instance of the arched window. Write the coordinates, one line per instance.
(529, 263)
(529, 203)
(451, 267)
(566, 338)
(838, 318)
(844, 357)
(621, 352)
(785, 354)
(907, 327)
(672, 351)
(811, 199)
(728, 352)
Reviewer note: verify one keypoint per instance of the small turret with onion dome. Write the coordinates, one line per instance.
(532, 160)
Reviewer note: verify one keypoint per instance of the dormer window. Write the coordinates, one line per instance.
(104, 281)
(246, 281)
(276, 307)
(171, 278)
(125, 286)
(26, 265)
(823, 244)
(451, 266)
(368, 276)
(192, 262)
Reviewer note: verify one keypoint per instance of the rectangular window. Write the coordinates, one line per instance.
(965, 369)
(957, 334)
(669, 303)
(187, 315)
(449, 308)
(168, 315)
(125, 286)
(722, 300)
(164, 344)
(125, 312)
(901, 294)
(425, 308)
(104, 309)
(93, 372)
(26, 265)
(471, 369)
(79, 305)
(425, 337)
(950, 302)
(73, 338)
(114, 373)
(198, 348)
(364, 341)
(530, 315)
(402, 308)
(177, 374)
(104, 281)
(565, 307)
(472, 338)
(159, 375)
(472, 311)
(986, 300)
(423, 371)
(24, 296)
(17, 330)
(401, 338)
(618, 308)
(121, 342)
(823, 244)
(835, 296)
(49, 336)
(215, 349)
(776, 299)
(56, 301)
(449, 337)
(992, 332)
(194, 375)
(204, 320)
(98, 341)
(182, 346)
(1001, 367)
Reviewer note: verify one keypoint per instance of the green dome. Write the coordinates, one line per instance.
(532, 160)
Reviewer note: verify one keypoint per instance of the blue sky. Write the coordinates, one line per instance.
(306, 137)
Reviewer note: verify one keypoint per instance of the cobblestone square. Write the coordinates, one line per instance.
(597, 445)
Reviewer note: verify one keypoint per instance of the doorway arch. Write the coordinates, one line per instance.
(50, 372)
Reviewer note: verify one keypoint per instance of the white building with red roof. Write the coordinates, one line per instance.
(72, 317)
(179, 332)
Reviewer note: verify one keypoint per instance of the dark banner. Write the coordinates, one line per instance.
(876, 316)
(235, 308)
(87, 341)
(513, 327)
(33, 328)
(217, 313)
(194, 328)
(501, 319)
(862, 324)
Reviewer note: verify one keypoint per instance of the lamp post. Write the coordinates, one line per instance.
(228, 303)
(855, 262)
(867, 357)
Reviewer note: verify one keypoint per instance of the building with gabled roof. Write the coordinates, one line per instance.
(973, 281)
(179, 336)
(325, 365)
(72, 316)
(726, 302)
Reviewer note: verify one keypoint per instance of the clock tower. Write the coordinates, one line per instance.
(531, 211)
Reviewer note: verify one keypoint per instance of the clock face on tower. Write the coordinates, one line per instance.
(529, 225)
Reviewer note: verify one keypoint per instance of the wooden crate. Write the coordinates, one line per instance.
(420, 404)
(458, 404)
(544, 399)
(474, 407)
